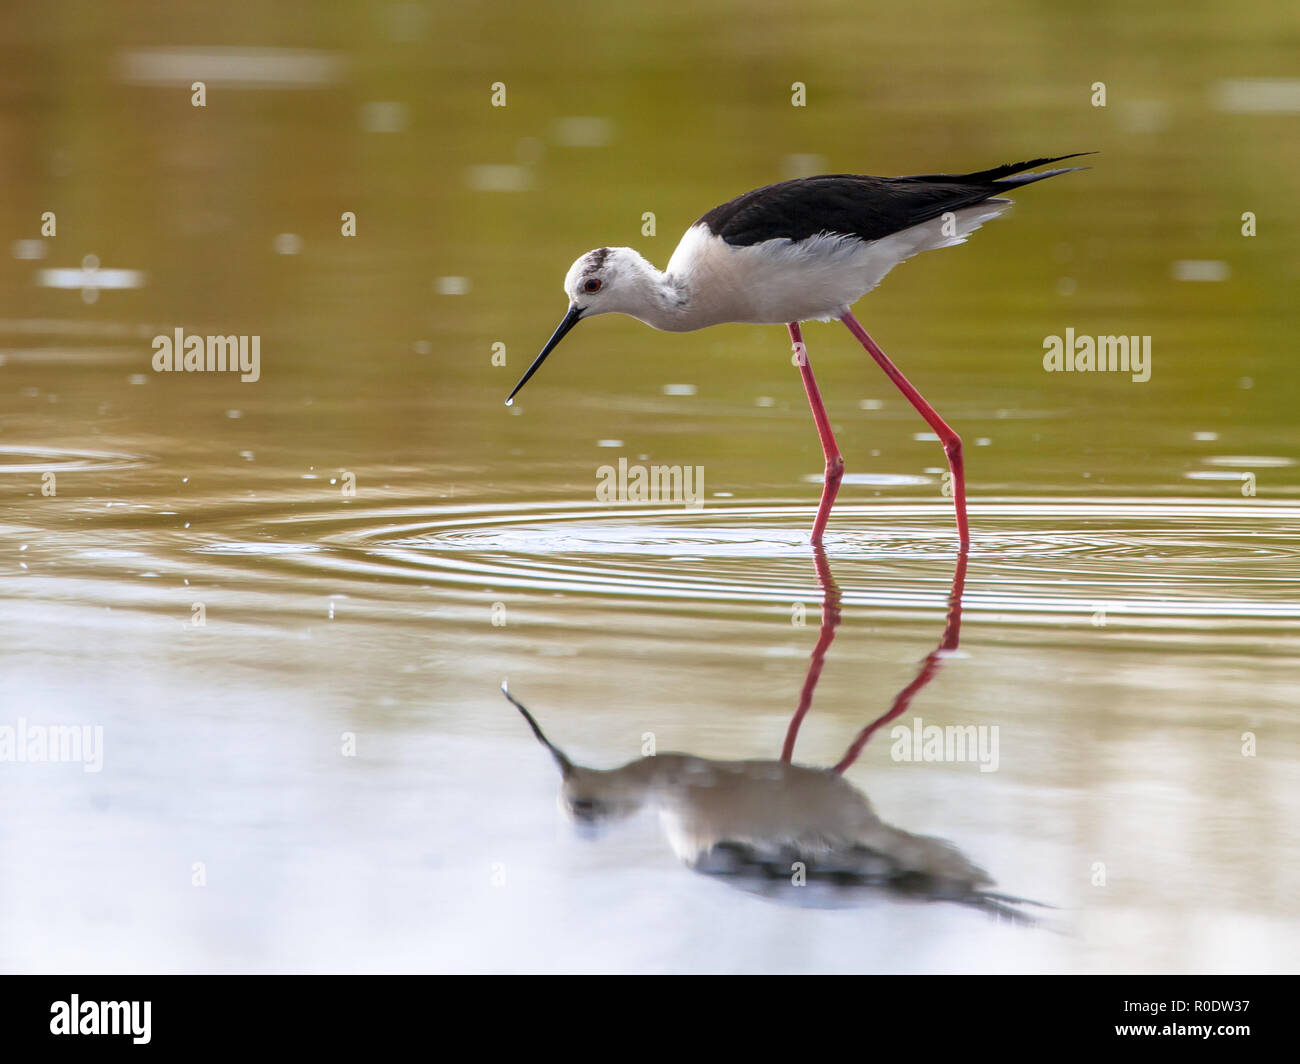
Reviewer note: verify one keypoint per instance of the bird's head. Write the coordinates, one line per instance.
(595, 798)
(603, 281)
(590, 797)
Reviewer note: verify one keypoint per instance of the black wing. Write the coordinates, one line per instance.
(861, 206)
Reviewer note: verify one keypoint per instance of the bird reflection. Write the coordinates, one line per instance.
(777, 827)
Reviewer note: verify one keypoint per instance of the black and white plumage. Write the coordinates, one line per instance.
(803, 250)
(869, 208)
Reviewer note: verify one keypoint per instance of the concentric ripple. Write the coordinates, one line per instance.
(1161, 561)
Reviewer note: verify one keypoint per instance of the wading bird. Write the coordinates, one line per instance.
(798, 251)
(765, 824)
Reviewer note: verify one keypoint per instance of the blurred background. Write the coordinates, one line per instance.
(289, 603)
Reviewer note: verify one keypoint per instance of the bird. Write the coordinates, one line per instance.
(795, 251)
(768, 821)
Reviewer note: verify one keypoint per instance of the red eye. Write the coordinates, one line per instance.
(592, 284)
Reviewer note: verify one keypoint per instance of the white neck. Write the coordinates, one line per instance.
(657, 298)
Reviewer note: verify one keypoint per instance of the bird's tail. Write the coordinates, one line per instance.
(1012, 175)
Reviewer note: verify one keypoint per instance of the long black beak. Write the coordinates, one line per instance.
(570, 320)
(566, 766)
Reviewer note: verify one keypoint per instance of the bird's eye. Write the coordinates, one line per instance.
(591, 284)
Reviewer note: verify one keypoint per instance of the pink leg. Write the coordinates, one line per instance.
(830, 621)
(834, 463)
(931, 664)
(950, 440)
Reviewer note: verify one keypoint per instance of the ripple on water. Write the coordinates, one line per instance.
(62, 460)
(1158, 563)
(1166, 561)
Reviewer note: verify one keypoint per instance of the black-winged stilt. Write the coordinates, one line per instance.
(797, 251)
(754, 819)
(778, 807)
(762, 821)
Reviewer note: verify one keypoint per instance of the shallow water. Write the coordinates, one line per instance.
(306, 761)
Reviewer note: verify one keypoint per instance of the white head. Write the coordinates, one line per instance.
(603, 281)
(607, 280)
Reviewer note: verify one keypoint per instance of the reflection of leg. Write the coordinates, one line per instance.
(952, 628)
(950, 440)
(830, 621)
(834, 463)
(930, 666)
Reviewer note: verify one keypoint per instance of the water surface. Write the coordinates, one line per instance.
(323, 774)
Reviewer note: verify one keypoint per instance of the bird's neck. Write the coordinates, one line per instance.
(662, 301)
